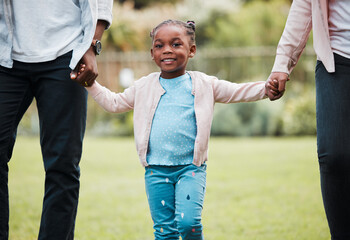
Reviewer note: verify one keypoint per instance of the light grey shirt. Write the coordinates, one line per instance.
(41, 30)
(339, 26)
(44, 30)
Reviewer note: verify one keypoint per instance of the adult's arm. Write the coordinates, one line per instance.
(292, 43)
(90, 73)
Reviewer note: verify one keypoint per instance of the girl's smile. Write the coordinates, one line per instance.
(171, 50)
(168, 60)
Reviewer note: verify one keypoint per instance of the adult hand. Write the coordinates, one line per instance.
(280, 79)
(86, 70)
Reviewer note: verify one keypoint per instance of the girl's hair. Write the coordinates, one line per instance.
(189, 26)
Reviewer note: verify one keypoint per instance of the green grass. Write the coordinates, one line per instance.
(257, 188)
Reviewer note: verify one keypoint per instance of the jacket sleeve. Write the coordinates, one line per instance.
(104, 11)
(228, 92)
(110, 101)
(294, 37)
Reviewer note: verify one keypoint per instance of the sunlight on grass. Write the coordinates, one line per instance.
(257, 188)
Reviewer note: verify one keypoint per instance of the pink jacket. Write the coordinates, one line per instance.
(304, 15)
(146, 92)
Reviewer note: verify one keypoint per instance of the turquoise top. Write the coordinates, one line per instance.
(174, 128)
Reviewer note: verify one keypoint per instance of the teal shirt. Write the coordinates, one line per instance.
(174, 128)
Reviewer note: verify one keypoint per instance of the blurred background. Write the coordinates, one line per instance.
(236, 41)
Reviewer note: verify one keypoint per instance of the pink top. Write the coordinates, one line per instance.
(144, 95)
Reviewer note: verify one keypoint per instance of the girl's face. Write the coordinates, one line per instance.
(171, 50)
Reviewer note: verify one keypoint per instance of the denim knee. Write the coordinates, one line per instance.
(334, 161)
(190, 229)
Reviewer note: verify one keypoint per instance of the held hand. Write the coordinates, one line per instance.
(276, 85)
(271, 88)
(86, 71)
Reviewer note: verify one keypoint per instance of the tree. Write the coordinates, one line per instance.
(255, 24)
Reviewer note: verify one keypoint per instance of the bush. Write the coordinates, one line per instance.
(255, 24)
(109, 124)
(299, 115)
(248, 119)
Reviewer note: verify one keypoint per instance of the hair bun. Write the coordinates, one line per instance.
(192, 24)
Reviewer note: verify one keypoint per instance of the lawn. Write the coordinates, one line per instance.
(257, 188)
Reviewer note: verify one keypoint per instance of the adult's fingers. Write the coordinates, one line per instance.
(282, 85)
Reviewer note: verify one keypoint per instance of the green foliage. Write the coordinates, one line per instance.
(108, 124)
(255, 24)
(299, 115)
(267, 1)
(122, 37)
(247, 119)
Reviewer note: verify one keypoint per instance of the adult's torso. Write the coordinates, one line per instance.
(45, 29)
(339, 26)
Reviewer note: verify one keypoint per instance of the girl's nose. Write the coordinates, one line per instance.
(167, 49)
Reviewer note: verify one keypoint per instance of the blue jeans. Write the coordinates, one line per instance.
(175, 196)
(62, 106)
(333, 144)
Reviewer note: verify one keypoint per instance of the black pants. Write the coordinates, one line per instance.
(62, 106)
(333, 143)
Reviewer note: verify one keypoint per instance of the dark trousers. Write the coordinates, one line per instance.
(333, 143)
(62, 106)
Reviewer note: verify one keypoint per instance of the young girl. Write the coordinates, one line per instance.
(173, 111)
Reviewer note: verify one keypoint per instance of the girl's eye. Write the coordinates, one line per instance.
(158, 46)
(176, 44)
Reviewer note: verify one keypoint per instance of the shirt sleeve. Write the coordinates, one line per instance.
(294, 36)
(105, 9)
